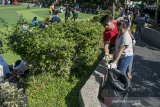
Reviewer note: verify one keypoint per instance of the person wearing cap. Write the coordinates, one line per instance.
(110, 34)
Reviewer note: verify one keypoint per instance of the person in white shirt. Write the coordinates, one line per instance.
(123, 48)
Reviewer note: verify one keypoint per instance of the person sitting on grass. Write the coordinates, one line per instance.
(35, 22)
(45, 23)
(55, 18)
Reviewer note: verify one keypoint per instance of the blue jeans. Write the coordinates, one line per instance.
(123, 64)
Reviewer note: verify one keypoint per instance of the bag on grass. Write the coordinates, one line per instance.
(20, 65)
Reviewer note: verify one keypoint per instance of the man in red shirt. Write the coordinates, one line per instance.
(110, 34)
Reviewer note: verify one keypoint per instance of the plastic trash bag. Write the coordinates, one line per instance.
(116, 86)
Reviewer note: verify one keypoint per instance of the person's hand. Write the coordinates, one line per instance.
(113, 65)
(108, 56)
(134, 42)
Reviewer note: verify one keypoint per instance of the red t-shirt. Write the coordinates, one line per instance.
(111, 35)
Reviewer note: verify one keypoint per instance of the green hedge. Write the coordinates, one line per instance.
(98, 17)
(63, 48)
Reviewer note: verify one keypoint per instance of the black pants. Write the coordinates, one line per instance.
(111, 48)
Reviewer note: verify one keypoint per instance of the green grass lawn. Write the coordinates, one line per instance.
(12, 13)
(44, 90)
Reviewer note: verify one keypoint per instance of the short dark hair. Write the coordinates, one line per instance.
(105, 19)
(35, 18)
(56, 12)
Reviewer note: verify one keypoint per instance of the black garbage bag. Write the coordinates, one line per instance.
(116, 87)
(117, 80)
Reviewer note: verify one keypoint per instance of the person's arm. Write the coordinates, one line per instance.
(107, 37)
(106, 47)
(129, 31)
(120, 18)
(118, 55)
(133, 39)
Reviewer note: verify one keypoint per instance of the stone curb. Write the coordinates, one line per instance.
(152, 36)
(88, 96)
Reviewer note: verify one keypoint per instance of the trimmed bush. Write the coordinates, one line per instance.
(98, 17)
(60, 48)
(3, 40)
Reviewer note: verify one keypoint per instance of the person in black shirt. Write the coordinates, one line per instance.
(55, 18)
(67, 13)
(75, 14)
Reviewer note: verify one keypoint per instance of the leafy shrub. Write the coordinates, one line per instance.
(98, 17)
(88, 5)
(51, 91)
(3, 41)
(61, 47)
(11, 96)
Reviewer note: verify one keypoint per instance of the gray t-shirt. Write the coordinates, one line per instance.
(125, 40)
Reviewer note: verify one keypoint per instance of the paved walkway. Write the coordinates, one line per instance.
(145, 91)
(146, 70)
(146, 78)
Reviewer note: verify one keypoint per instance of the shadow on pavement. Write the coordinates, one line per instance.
(147, 45)
(146, 79)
